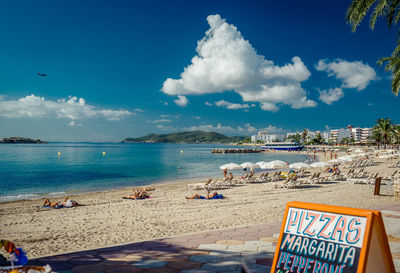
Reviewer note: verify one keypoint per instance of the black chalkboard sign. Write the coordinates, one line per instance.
(318, 238)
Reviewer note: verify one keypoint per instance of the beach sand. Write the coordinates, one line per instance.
(107, 220)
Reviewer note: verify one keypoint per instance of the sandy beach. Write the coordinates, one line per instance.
(105, 219)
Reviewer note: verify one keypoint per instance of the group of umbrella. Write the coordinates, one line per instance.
(279, 164)
(275, 164)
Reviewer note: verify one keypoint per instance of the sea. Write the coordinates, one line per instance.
(29, 171)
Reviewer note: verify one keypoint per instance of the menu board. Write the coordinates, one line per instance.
(326, 239)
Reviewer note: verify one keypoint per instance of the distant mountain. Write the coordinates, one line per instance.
(185, 137)
(23, 140)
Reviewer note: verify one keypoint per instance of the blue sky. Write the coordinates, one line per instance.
(121, 69)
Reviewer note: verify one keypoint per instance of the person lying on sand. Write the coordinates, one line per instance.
(144, 189)
(138, 194)
(214, 195)
(67, 203)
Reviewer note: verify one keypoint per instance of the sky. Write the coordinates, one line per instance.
(118, 69)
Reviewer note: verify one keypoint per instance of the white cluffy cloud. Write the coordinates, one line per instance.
(74, 124)
(181, 100)
(331, 95)
(230, 105)
(352, 74)
(71, 108)
(226, 61)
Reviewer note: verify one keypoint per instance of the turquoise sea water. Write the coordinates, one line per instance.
(36, 170)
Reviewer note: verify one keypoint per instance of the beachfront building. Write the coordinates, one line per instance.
(337, 135)
(267, 137)
(366, 134)
(325, 136)
(361, 134)
(357, 134)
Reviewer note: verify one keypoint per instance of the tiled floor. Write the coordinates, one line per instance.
(216, 251)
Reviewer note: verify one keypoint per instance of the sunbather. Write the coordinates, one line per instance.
(144, 189)
(67, 203)
(214, 195)
(138, 194)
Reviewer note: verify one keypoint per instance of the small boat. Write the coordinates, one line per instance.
(283, 146)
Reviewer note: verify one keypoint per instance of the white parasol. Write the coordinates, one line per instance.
(299, 165)
(230, 166)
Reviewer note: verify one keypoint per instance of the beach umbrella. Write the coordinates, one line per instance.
(335, 161)
(276, 164)
(230, 166)
(261, 163)
(321, 164)
(249, 165)
(346, 158)
(299, 165)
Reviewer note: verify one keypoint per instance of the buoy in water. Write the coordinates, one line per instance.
(181, 151)
(104, 153)
(58, 153)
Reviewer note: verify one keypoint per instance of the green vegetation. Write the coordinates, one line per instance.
(295, 138)
(187, 137)
(383, 8)
(385, 132)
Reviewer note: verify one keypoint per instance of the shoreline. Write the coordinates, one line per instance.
(57, 194)
(105, 219)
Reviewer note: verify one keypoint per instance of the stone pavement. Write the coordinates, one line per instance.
(215, 251)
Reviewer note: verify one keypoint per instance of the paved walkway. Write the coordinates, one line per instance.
(216, 251)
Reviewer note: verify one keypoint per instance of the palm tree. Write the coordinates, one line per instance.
(304, 135)
(384, 129)
(396, 134)
(383, 8)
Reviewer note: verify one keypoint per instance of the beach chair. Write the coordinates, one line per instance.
(283, 184)
(310, 180)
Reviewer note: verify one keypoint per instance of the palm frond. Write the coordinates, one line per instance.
(395, 5)
(380, 10)
(357, 11)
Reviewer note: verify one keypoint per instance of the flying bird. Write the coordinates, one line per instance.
(42, 75)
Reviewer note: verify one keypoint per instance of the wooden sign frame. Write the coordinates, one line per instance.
(375, 255)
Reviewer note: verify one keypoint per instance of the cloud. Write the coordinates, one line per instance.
(331, 95)
(71, 108)
(74, 124)
(352, 74)
(230, 105)
(181, 100)
(226, 61)
(160, 120)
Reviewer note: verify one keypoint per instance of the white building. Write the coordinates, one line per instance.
(338, 135)
(361, 134)
(325, 136)
(356, 133)
(366, 133)
(267, 137)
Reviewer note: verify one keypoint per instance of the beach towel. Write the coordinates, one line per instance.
(218, 196)
(148, 197)
(58, 206)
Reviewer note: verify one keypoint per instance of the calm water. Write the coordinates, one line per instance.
(36, 170)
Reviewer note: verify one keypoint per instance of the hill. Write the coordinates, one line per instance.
(185, 137)
(21, 140)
